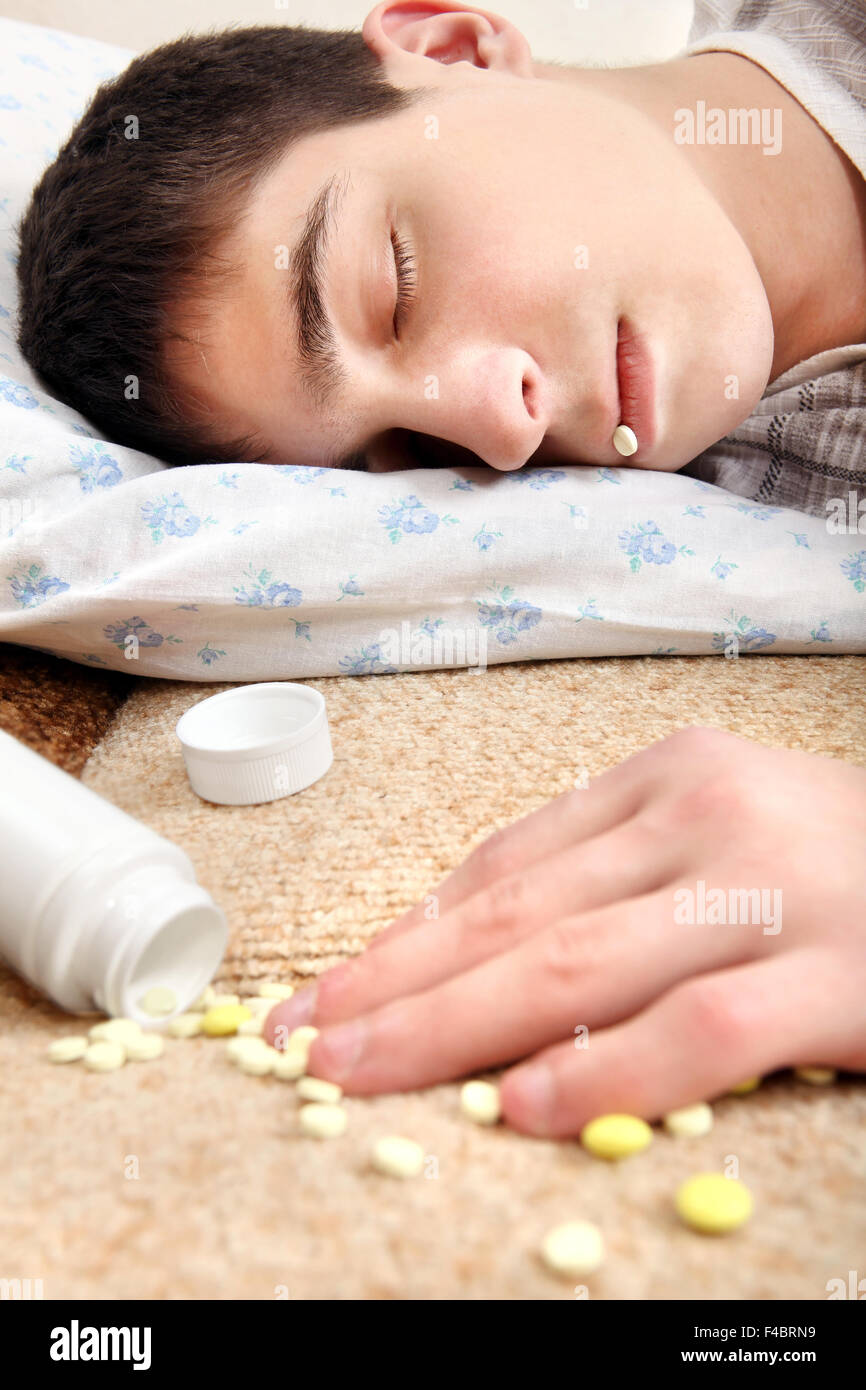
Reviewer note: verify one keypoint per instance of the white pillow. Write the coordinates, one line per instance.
(255, 572)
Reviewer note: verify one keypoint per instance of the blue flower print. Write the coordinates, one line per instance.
(748, 637)
(699, 511)
(462, 485)
(170, 516)
(95, 467)
(588, 610)
(8, 102)
(644, 543)
(241, 527)
(539, 479)
(507, 617)
(208, 654)
(854, 568)
(351, 589)
(228, 480)
(408, 516)
(31, 588)
(722, 568)
(484, 538)
(367, 662)
(299, 472)
(608, 475)
(17, 461)
(17, 395)
(135, 627)
(759, 513)
(263, 593)
(800, 539)
(429, 625)
(821, 633)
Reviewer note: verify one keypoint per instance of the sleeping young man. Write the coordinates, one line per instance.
(418, 245)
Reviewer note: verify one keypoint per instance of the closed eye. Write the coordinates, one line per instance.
(407, 280)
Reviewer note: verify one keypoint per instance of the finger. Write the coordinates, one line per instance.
(591, 970)
(614, 797)
(702, 1037)
(630, 861)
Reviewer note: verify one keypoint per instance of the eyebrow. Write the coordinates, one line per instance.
(322, 372)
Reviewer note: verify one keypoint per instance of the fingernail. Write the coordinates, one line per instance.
(338, 1049)
(294, 1012)
(531, 1094)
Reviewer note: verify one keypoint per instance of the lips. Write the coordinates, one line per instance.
(636, 380)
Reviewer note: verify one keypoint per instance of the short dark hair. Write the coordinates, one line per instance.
(118, 228)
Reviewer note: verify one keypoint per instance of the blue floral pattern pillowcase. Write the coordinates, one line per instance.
(261, 572)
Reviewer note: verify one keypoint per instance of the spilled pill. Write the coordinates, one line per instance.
(299, 1043)
(616, 1136)
(816, 1076)
(224, 1001)
(272, 989)
(252, 1027)
(104, 1056)
(258, 1004)
(574, 1248)
(115, 1030)
(714, 1204)
(204, 1001)
(690, 1121)
(158, 1001)
(69, 1049)
(240, 1046)
(479, 1101)
(323, 1121)
(145, 1047)
(327, 1092)
(186, 1025)
(289, 1066)
(257, 1061)
(398, 1157)
(223, 1019)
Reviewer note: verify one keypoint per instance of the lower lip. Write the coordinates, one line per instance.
(636, 378)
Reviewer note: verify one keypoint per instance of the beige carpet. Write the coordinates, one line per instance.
(230, 1202)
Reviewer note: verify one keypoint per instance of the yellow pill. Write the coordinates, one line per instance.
(326, 1092)
(224, 1001)
(223, 1019)
(104, 1056)
(289, 1066)
(744, 1087)
(398, 1157)
(115, 1030)
(714, 1204)
(158, 1001)
(574, 1248)
(272, 989)
(323, 1121)
(145, 1047)
(816, 1076)
(479, 1101)
(186, 1025)
(616, 1136)
(68, 1049)
(690, 1121)
(252, 1027)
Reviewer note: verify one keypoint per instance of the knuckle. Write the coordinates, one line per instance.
(563, 952)
(711, 1016)
(491, 858)
(725, 798)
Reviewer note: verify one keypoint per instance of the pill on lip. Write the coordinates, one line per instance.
(616, 1136)
(690, 1121)
(145, 1047)
(115, 1030)
(714, 1204)
(816, 1076)
(186, 1025)
(624, 440)
(574, 1248)
(103, 1055)
(479, 1101)
(323, 1121)
(272, 989)
(69, 1049)
(326, 1092)
(158, 1001)
(398, 1157)
(223, 1019)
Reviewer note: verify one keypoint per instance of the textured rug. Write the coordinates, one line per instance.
(184, 1178)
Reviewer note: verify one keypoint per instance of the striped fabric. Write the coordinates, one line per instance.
(805, 442)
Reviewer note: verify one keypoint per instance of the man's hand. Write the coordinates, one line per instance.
(573, 938)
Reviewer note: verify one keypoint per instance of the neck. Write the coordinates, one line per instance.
(801, 211)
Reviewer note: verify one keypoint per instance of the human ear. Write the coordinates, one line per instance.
(421, 31)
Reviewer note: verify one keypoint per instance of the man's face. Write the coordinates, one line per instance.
(539, 214)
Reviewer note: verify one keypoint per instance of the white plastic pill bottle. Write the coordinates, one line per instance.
(95, 908)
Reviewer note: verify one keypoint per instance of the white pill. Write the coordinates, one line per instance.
(323, 1121)
(311, 1088)
(186, 1025)
(274, 990)
(258, 1004)
(158, 1001)
(238, 1047)
(104, 1055)
(115, 1030)
(204, 1001)
(290, 1065)
(224, 1001)
(251, 1027)
(691, 1121)
(68, 1049)
(816, 1076)
(479, 1101)
(256, 1061)
(299, 1043)
(145, 1048)
(574, 1248)
(625, 440)
(398, 1157)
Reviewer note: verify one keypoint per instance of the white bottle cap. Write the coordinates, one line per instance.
(256, 743)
